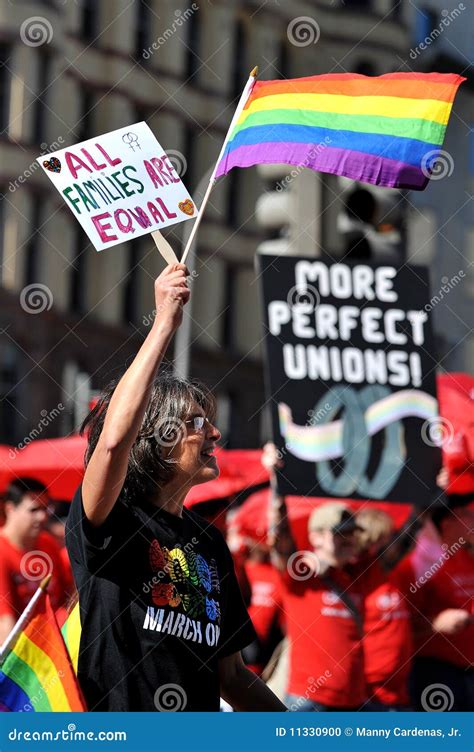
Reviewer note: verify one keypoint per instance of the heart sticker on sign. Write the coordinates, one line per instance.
(187, 207)
(120, 185)
(53, 164)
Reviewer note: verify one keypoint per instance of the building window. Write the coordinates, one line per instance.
(142, 29)
(89, 20)
(193, 41)
(239, 69)
(31, 252)
(141, 112)
(468, 253)
(40, 110)
(363, 4)
(234, 183)
(86, 106)
(9, 397)
(77, 280)
(396, 11)
(3, 191)
(189, 142)
(227, 335)
(365, 68)
(224, 416)
(76, 396)
(471, 151)
(425, 21)
(4, 86)
(282, 64)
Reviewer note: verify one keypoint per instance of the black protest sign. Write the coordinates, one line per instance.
(350, 378)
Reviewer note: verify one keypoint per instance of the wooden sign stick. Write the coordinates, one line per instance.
(164, 248)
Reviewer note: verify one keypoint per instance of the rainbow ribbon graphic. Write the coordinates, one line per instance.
(324, 442)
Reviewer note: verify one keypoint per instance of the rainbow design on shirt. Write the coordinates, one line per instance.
(185, 579)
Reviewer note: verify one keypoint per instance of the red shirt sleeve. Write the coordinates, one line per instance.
(7, 607)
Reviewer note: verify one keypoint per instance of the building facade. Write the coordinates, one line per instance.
(71, 319)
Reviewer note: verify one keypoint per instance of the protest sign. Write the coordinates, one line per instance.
(350, 378)
(119, 185)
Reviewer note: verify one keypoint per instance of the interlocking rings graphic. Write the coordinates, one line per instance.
(357, 445)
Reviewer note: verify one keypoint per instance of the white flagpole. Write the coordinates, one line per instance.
(24, 618)
(242, 101)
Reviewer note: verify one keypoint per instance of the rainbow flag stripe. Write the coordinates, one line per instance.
(386, 130)
(37, 674)
(324, 442)
(71, 632)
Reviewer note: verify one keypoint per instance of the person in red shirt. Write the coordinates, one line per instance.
(265, 607)
(324, 595)
(442, 599)
(322, 601)
(261, 586)
(28, 553)
(387, 643)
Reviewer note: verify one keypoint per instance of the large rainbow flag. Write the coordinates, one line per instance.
(386, 130)
(36, 674)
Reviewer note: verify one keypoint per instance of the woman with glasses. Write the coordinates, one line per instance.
(163, 621)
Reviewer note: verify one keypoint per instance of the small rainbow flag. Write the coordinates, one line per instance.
(36, 674)
(71, 631)
(387, 130)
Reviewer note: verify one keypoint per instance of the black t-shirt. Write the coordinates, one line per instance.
(159, 605)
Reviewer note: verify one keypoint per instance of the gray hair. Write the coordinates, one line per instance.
(171, 402)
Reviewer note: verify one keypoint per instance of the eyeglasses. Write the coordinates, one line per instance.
(198, 422)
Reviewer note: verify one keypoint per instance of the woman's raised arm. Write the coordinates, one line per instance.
(107, 467)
